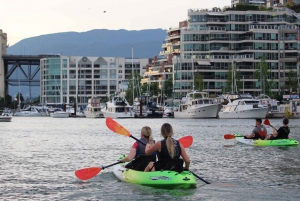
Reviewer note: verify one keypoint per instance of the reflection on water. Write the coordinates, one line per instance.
(40, 155)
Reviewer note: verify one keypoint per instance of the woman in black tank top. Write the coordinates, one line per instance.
(168, 148)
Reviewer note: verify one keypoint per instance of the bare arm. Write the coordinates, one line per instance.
(250, 135)
(185, 157)
(151, 148)
(130, 156)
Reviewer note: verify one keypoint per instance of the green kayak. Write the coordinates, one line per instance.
(279, 142)
(159, 179)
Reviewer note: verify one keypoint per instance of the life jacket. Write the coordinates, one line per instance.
(141, 160)
(141, 148)
(164, 154)
(261, 131)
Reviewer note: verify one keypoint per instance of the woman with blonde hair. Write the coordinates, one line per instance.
(137, 147)
(166, 149)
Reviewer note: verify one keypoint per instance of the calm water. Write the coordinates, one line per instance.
(39, 157)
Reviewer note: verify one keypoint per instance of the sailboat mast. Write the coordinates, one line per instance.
(132, 73)
(193, 72)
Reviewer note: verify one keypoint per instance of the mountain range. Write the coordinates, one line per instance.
(98, 42)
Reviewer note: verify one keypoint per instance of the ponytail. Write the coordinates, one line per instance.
(171, 146)
(167, 133)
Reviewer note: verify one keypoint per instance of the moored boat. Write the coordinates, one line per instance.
(145, 107)
(117, 107)
(278, 142)
(59, 114)
(242, 106)
(5, 118)
(159, 179)
(94, 107)
(197, 105)
(32, 111)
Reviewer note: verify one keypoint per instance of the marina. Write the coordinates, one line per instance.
(40, 156)
(218, 72)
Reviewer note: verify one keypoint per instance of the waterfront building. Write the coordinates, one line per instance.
(271, 3)
(70, 79)
(212, 41)
(248, 2)
(3, 43)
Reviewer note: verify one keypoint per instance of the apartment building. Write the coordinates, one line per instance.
(270, 3)
(248, 2)
(211, 42)
(70, 79)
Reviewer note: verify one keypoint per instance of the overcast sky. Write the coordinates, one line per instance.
(22, 19)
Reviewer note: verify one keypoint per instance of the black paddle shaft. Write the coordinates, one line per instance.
(103, 167)
(137, 140)
(200, 178)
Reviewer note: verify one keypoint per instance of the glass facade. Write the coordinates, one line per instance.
(70, 80)
(217, 39)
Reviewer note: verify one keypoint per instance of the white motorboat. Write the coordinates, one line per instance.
(197, 105)
(242, 106)
(93, 109)
(6, 112)
(5, 118)
(266, 101)
(60, 114)
(32, 111)
(272, 104)
(118, 107)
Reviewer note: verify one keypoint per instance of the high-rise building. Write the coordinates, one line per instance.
(212, 42)
(248, 2)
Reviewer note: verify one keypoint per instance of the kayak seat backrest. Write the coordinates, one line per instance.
(141, 162)
(169, 164)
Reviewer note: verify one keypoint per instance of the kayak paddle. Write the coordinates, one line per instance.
(267, 122)
(114, 126)
(88, 173)
(229, 136)
(200, 178)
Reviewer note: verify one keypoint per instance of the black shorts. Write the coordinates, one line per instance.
(272, 137)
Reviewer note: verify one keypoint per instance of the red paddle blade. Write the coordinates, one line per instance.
(117, 128)
(186, 141)
(87, 173)
(267, 122)
(229, 136)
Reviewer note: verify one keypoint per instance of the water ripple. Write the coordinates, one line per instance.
(40, 155)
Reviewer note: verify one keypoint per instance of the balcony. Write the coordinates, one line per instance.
(217, 29)
(173, 36)
(152, 73)
(281, 28)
